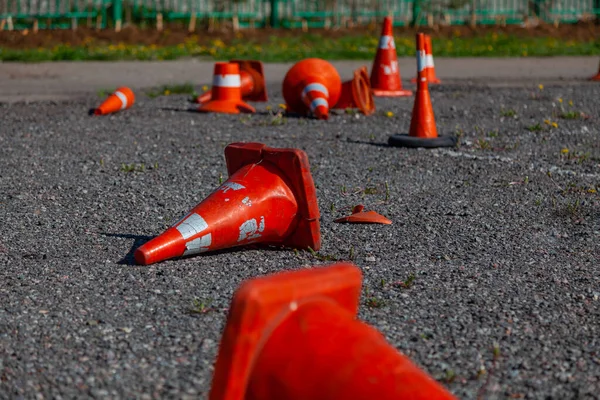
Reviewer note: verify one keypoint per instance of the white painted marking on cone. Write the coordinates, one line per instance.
(231, 186)
(199, 245)
(123, 99)
(429, 60)
(421, 60)
(390, 69)
(387, 42)
(246, 201)
(318, 102)
(250, 229)
(315, 87)
(193, 225)
(232, 81)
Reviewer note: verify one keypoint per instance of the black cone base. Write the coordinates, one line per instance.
(402, 140)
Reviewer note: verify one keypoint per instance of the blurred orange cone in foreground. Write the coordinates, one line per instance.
(295, 336)
(312, 86)
(269, 198)
(597, 76)
(423, 132)
(356, 93)
(226, 93)
(364, 217)
(385, 74)
(252, 82)
(429, 65)
(121, 99)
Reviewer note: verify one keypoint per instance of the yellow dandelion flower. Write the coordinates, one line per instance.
(205, 88)
(524, 54)
(591, 190)
(565, 151)
(541, 86)
(547, 121)
(490, 48)
(167, 92)
(560, 99)
(389, 114)
(268, 108)
(571, 103)
(554, 125)
(283, 106)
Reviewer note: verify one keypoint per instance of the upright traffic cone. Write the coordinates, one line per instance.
(121, 99)
(252, 83)
(294, 336)
(423, 132)
(597, 76)
(356, 93)
(429, 65)
(385, 74)
(269, 198)
(312, 86)
(226, 95)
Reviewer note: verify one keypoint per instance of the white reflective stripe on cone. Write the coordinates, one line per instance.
(429, 61)
(231, 81)
(191, 226)
(318, 102)
(199, 245)
(315, 87)
(123, 99)
(387, 42)
(421, 60)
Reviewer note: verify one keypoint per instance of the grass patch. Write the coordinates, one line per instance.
(286, 48)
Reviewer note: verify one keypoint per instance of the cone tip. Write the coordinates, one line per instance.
(141, 258)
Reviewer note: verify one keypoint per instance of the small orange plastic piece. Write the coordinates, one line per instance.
(252, 82)
(226, 92)
(269, 199)
(364, 217)
(121, 99)
(294, 336)
(385, 74)
(356, 93)
(311, 87)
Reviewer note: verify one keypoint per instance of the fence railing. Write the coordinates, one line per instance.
(52, 14)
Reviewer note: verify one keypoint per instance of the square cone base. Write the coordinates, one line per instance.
(403, 140)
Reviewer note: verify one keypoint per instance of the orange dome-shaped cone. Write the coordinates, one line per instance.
(423, 132)
(356, 93)
(295, 336)
(385, 74)
(312, 86)
(121, 99)
(269, 198)
(226, 95)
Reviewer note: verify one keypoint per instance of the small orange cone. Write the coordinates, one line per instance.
(385, 74)
(364, 217)
(295, 336)
(356, 93)
(312, 86)
(269, 198)
(423, 132)
(597, 76)
(121, 99)
(429, 65)
(252, 78)
(226, 94)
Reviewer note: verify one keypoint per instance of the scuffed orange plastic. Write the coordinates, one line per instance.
(364, 217)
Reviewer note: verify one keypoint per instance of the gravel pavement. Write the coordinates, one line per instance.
(501, 235)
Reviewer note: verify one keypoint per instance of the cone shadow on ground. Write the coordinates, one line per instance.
(138, 240)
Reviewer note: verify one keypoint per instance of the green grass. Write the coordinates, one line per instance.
(293, 48)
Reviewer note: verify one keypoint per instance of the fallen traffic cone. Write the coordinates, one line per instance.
(429, 65)
(597, 76)
(252, 82)
(423, 132)
(269, 198)
(312, 86)
(364, 217)
(356, 93)
(121, 99)
(226, 93)
(294, 335)
(385, 74)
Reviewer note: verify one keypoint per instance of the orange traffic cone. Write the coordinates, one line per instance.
(252, 79)
(356, 93)
(423, 132)
(364, 217)
(294, 335)
(597, 76)
(312, 86)
(385, 74)
(226, 95)
(269, 198)
(429, 65)
(121, 99)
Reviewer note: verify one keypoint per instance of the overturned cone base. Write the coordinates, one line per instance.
(403, 140)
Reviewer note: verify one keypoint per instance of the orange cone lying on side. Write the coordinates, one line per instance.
(269, 198)
(356, 93)
(295, 336)
(121, 99)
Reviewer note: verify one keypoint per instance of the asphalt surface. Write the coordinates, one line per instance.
(501, 234)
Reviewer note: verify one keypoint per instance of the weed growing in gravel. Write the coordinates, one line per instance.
(133, 167)
(408, 283)
(370, 190)
(372, 301)
(167, 90)
(493, 134)
(450, 376)
(200, 306)
(484, 144)
(322, 257)
(508, 112)
(535, 128)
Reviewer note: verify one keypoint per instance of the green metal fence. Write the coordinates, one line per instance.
(21, 14)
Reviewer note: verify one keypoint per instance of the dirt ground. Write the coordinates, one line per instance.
(174, 34)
